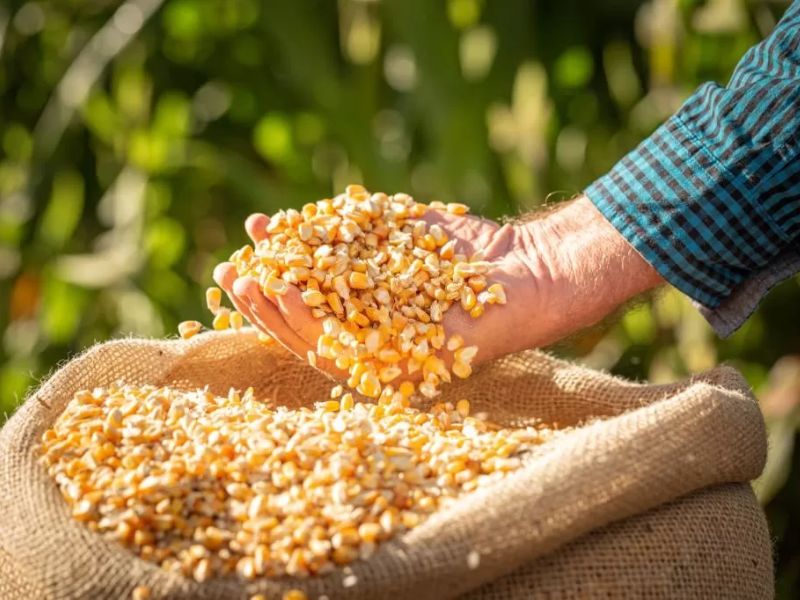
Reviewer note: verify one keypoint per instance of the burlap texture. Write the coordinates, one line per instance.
(644, 446)
(711, 544)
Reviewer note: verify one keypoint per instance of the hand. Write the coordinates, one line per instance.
(289, 320)
(561, 272)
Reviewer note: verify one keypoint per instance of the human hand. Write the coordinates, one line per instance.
(561, 272)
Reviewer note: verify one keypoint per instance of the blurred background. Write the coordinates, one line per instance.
(136, 136)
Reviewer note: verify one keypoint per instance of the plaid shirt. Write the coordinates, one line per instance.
(712, 198)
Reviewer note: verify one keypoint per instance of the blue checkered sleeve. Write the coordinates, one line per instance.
(712, 198)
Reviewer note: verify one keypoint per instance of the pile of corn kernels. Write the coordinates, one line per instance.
(206, 485)
(382, 280)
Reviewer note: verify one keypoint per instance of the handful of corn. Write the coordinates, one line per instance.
(381, 278)
(209, 485)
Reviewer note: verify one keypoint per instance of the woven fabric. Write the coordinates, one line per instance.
(634, 447)
(711, 544)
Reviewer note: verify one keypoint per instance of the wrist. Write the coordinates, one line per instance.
(590, 269)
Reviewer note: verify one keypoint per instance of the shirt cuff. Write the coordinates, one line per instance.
(688, 215)
(737, 308)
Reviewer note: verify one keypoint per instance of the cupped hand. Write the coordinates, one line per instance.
(500, 330)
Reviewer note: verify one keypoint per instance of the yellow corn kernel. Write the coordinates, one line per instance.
(434, 364)
(275, 287)
(455, 342)
(236, 320)
(388, 374)
(407, 389)
(213, 299)
(188, 329)
(358, 281)
(476, 311)
(456, 208)
(467, 298)
(461, 369)
(305, 231)
(373, 341)
(222, 320)
(331, 405)
(141, 592)
(498, 292)
(477, 283)
(463, 407)
(347, 402)
(358, 318)
(335, 303)
(313, 297)
(369, 385)
(466, 354)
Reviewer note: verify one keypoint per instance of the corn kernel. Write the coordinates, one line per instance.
(213, 299)
(222, 320)
(407, 389)
(462, 407)
(461, 369)
(188, 329)
(313, 297)
(141, 592)
(466, 354)
(236, 320)
(456, 208)
(498, 292)
(358, 281)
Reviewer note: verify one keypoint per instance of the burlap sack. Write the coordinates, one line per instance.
(552, 529)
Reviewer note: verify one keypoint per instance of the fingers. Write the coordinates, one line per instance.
(266, 316)
(256, 226)
(225, 274)
(299, 316)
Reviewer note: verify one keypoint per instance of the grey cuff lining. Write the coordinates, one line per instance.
(736, 309)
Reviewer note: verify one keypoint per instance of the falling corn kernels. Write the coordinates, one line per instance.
(233, 485)
(370, 264)
(222, 320)
(236, 320)
(213, 299)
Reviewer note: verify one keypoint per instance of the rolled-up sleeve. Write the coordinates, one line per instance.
(712, 198)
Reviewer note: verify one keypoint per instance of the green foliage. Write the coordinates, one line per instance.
(133, 145)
